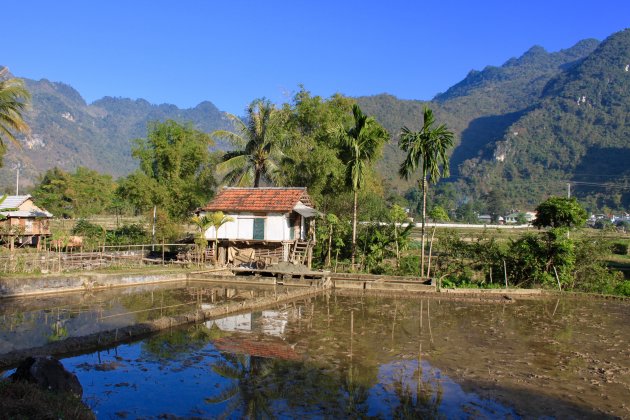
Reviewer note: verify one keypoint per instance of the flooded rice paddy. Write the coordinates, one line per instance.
(35, 321)
(339, 355)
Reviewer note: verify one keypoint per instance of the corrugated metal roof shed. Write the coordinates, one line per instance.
(14, 202)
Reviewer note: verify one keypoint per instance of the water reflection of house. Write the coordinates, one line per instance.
(270, 348)
(277, 224)
(241, 322)
(22, 221)
(270, 322)
(274, 322)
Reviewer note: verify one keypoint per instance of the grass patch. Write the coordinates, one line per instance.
(23, 400)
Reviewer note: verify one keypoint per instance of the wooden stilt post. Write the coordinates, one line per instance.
(505, 273)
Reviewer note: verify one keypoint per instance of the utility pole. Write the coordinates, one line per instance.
(569, 197)
(153, 229)
(17, 178)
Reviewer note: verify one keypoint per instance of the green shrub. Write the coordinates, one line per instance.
(128, 234)
(623, 288)
(409, 265)
(620, 248)
(384, 269)
(92, 233)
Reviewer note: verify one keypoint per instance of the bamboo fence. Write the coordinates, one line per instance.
(124, 256)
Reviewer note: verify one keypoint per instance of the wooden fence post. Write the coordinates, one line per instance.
(505, 273)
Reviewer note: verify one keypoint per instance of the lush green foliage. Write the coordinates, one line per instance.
(258, 152)
(94, 236)
(128, 234)
(176, 171)
(333, 236)
(312, 154)
(558, 212)
(80, 194)
(438, 214)
(590, 273)
(546, 259)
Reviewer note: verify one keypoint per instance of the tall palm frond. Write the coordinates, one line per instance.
(361, 144)
(14, 98)
(236, 169)
(258, 153)
(426, 149)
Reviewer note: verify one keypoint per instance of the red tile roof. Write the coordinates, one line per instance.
(269, 348)
(259, 199)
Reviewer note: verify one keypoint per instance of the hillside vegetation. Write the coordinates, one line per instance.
(522, 130)
(66, 132)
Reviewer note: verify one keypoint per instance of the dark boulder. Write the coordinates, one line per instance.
(48, 373)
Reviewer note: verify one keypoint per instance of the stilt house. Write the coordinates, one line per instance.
(22, 222)
(269, 225)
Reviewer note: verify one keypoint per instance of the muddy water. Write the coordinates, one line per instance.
(353, 356)
(35, 321)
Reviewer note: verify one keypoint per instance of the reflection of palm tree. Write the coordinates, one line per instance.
(355, 393)
(424, 402)
(177, 343)
(248, 389)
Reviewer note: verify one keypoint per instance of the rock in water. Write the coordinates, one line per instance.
(48, 373)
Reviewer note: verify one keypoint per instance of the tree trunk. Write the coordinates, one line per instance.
(328, 258)
(397, 248)
(430, 252)
(424, 219)
(257, 178)
(354, 228)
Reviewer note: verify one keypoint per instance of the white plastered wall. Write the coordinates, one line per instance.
(242, 227)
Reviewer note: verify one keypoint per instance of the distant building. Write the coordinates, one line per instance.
(22, 222)
(512, 218)
(484, 218)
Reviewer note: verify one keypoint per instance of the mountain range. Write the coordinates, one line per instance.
(67, 132)
(525, 128)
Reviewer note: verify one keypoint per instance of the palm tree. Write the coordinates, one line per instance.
(202, 223)
(426, 149)
(361, 144)
(218, 219)
(13, 100)
(257, 153)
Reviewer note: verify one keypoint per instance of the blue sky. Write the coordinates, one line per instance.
(230, 52)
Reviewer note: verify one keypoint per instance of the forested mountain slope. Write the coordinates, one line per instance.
(67, 132)
(579, 130)
(480, 107)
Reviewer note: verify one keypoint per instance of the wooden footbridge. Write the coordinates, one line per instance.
(299, 275)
